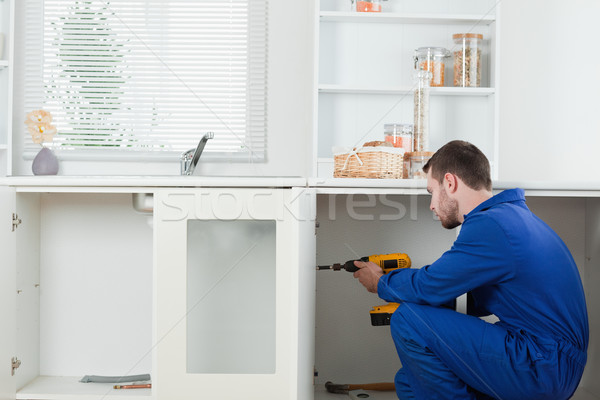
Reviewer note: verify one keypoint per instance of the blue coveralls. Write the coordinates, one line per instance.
(512, 265)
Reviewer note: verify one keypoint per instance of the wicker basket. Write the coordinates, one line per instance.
(370, 162)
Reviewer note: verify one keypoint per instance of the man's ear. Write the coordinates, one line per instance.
(450, 182)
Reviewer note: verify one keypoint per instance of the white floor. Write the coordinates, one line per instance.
(322, 394)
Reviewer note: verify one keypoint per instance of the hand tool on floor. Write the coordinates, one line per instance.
(380, 315)
(345, 388)
(142, 386)
(115, 379)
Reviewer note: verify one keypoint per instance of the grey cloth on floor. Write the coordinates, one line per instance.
(114, 379)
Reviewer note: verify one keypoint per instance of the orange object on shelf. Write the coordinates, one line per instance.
(399, 141)
(437, 71)
(399, 135)
(368, 6)
(431, 59)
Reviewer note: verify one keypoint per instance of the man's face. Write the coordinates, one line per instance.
(443, 206)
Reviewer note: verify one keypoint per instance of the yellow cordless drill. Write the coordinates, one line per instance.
(380, 315)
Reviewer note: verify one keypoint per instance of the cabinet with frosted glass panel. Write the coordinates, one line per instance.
(235, 293)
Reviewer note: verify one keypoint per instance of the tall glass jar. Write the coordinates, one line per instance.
(421, 111)
(432, 59)
(467, 59)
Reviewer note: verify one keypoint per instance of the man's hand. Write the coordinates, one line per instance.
(368, 275)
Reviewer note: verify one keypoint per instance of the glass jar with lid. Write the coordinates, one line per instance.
(400, 135)
(417, 160)
(368, 5)
(432, 59)
(467, 59)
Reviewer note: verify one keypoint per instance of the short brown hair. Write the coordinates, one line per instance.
(464, 160)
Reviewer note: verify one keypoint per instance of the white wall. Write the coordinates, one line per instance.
(290, 80)
(549, 81)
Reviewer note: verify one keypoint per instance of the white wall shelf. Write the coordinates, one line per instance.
(434, 91)
(398, 18)
(3, 63)
(365, 71)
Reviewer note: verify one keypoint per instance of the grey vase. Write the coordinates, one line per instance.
(45, 163)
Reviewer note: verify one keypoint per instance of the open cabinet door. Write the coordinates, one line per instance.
(234, 272)
(7, 292)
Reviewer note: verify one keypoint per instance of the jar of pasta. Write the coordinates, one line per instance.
(467, 59)
(432, 59)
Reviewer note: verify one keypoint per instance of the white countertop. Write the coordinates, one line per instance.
(152, 181)
(419, 186)
(128, 183)
(422, 184)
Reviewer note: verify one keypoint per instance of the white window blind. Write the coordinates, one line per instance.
(147, 78)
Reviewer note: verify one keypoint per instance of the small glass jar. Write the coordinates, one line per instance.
(368, 6)
(432, 59)
(421, 111)
(400, 135)
(467, 59)
(417, 160)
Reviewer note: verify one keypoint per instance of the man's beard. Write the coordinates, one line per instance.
(448, 214)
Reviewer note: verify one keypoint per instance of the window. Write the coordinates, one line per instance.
(147, 78)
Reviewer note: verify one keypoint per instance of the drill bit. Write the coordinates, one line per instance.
(335, 267)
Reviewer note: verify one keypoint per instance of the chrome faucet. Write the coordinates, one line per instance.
(190, 158)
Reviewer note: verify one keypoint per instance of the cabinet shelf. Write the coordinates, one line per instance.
(399, 18)
(62, 388)
(437, 91)
(3, 63)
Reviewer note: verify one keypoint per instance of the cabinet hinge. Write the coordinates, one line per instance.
(16, 221)
(15, 363)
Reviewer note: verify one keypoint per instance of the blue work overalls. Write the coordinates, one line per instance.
(513, 266)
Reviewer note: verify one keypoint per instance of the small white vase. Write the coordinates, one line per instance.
(45, 163)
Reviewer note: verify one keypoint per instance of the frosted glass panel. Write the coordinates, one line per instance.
(231, 297)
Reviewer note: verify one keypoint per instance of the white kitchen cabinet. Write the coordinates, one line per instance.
(6, 86)
(77, 294)
(359, 222)
(365, 75)
(235, 272)
(93, 287)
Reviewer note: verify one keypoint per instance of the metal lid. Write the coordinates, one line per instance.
(432, 52)
(398, 129)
